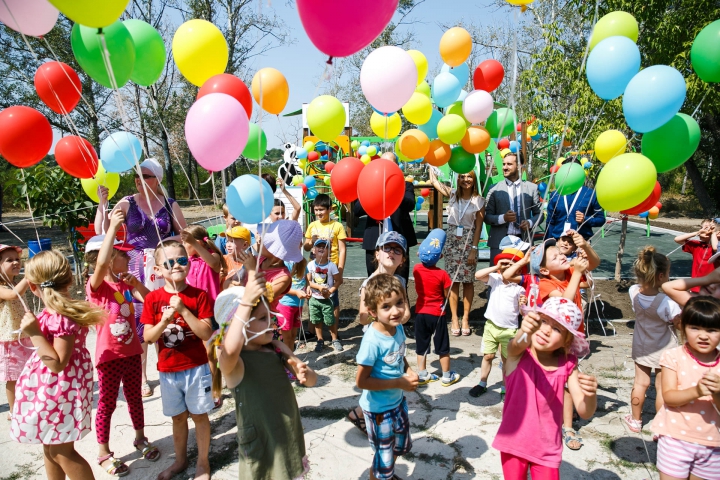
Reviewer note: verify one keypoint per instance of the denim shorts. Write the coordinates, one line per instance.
(189, 390)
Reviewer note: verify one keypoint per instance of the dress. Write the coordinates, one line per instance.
(13, 355)
(50, 408)
(458, 248)
(654, 330)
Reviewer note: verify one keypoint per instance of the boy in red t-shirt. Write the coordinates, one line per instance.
(701, 249)
(178, 316)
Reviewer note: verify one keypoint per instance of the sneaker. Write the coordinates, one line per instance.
(319, 346)
(430, 378)
(633, 425)
(477, 390)
(454, 378)
(337, 345)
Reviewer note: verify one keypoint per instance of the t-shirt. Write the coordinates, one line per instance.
(298, 283)
(233, 268)
(386, 356)
(332, 231)
(467, 208)
(550, 284)
(180, 348)
(117, 337)
(503, 305)
(322, 275)
(701, 253)
(667, 310)
(201, 276)
(430, 285)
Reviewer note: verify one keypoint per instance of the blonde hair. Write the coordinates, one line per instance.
(90, 261)
(8, 281)
(50, 270)
(648, 265)
(299, 268)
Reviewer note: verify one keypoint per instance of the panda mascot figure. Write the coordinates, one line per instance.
(289, 168)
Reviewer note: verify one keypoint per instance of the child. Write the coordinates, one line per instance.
(291, 304)
(701, 249)
(13, 355)
(383, 373)
(282, 243)
(178, 316)
(537, 368)
(237, 240)
(689, 444)
(323, 278)
(654, 315)
(278, 211)
(117, 350)
(56, 417)
(230, 222)
(433, 286)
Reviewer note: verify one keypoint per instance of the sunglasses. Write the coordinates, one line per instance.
(395, 250)
(145, 176)
(181, 261)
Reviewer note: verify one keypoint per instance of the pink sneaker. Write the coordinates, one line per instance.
(635, 426)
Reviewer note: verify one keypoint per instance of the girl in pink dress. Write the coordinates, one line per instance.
(53, 396)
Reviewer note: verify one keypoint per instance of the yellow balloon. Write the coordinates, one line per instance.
(560, 161)
(91, 13)
(421, 63)
(275, 90)
(610, 144)
(520, 3)
(455, 46)
(533, 129)
(106, 179)
(365, 159)
(386, 127)
(423, 88)
(418, 109)
(200, 51)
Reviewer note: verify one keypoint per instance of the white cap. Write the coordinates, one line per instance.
(94, 244)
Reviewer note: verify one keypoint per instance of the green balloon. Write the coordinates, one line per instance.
(671, 145)
(257, 143)
(569, 178)
(461, 161)
(614, 24)
(88, 50)
(456, 108)
(625, 182)
(501, 123)
(150, 52)
(705, 53)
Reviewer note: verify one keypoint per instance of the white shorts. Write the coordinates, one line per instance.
(679, 459)
(187, 390)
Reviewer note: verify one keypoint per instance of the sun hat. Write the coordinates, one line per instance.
(154, 166)
(237, 232)
(4, 247)
(227, 302)
(95, 243)
(512, 254)
(569, 316)
(511, 241)
(432, 247)
(537, 255)
(391, 236)
(283, 239)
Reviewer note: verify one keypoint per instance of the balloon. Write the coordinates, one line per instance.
(445, 89)
(34, 18)
(559, 162)
(386, 127)
(109, 180)
(365, 159)
(488, 75)
(611, 66)
(425, 192)
(58, 86)
(257, 143)
(326, 117)
(456, 109)
(88, 51)
(344, 179)
(587, 165)
(423, 88)
(329, 168)
(304, 188)
(249, 198)
(311, 193)
(625, 182)
(200, 51)
(503, 143)
(646, 204)
(455, 46)
(371, 150)
(420, 200)
(354, 145)
(313, 156)
(644, 215)
(366, 143)
(533, 129)
(438, 154)
(297, 180)
(653, 213)
(274, 87)
(120, 152)
(614, 24)
(554, 168)
(421, 64)
(653, 97)
(25, 136)
(461, 161)
(461, 72)
(414, 144)
(390, 156)
(229, 85)
(216, 131)
(76, 156)
(451, 129)
(705, 53)
(430, 128)
(362, 150)
(671, 145)
(309, 146)
(150, 52)
(381, 188)
(514, 146)
(501, 122)
(320, 147)
(476, 140)
(418, 109)
(610, 144)
(477, 106)
(367, 23)
(388, 78)
(91, 13)
(569, 178)
(309, 181)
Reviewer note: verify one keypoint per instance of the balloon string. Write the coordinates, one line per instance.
(701, 102)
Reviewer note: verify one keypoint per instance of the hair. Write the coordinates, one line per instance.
(543, 262)
(648, 265)
(90, 261)
(380, 287)
(270, 179)
(299, 268)
(167, 244)
(52, 269)
(226, 210)
(702, 311)
(4, 280)
(278, 203)
(323, 200)
(707, 220)
(476, 188)
(200, 234)
(518, 158)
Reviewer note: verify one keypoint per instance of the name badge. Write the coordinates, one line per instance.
(459, 231)
(566, 227)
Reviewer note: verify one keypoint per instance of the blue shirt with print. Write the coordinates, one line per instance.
(386, 356)
(297, 284)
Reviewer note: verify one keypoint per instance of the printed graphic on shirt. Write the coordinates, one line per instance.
(121, 328)
(395, 357)
(175, 333)
(320, 275)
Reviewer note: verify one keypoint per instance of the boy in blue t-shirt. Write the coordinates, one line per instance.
(383, 373)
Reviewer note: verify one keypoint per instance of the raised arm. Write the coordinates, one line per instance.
(677, 289)
(592, 256)
(104, 260)
(512, 273)
(484, 273)
(681, 239)
(443, 189)
(296, 205)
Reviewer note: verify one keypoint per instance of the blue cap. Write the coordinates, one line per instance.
(432, 247)
(537, 255)
(511, 241)
(321, 241)
(391, 236)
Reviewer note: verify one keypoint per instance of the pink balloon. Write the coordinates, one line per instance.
(477, 106)
(216, 130)
(368, 21)
(31, 17)
(388, 78)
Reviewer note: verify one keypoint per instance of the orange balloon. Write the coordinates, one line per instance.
(274, 87)
(476, 140)
(414, 144)
(653, 213)
(438, 154)
(455, 46)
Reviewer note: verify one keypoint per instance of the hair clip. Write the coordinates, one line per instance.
(206, 239)
(47, 284)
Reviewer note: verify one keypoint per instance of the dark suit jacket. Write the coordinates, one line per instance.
(401, 221)
(498, 203)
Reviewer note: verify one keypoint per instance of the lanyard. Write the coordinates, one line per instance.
(572, 204)
(462, 214)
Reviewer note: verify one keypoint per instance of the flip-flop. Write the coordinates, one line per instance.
(145, 390)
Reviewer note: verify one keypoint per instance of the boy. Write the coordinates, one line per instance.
(432, 285)
(323, 278)
(178, 316)
(230, 222)
(383, 373)
(237, 240)
(701, 249)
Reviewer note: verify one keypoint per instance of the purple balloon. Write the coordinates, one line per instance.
(388, 78)
(31, 17)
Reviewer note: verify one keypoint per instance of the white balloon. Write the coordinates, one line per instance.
(388, 78)
(477, 106)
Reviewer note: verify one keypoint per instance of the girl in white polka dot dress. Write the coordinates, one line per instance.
(689, 421)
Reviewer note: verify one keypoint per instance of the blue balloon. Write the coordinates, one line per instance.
(402, 166)
(311, 194)
(362, 150)
(536, 137)
(420, 200)
(611, 65)
(120, 151)
(249, 199)
(309, 181)
(320, 147)
(415, 182)
(514, 146)
(445, 89)
(587, 165)
(365, 143)
(461, 72)
(542, 186)
(301, 153)
(324, 157)
(653, 97)
(644, 214)
(381, 113)
(430, 128)
(418, 206)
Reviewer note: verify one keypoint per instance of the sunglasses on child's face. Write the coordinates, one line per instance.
(145, 176)
(395, 250)
(169, 264)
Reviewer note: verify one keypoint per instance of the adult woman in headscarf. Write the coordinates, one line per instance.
(150, 216)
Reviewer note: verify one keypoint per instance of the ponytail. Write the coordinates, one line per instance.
(648, 265)
(90, 261)
(299, 268)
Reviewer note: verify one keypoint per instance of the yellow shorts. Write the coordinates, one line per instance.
(494, 337)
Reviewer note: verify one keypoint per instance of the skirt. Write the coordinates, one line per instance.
(456, 252)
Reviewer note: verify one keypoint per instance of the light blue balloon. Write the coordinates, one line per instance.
(309, 181)
(461, 72)
(461, 97)
(415, 182)
(402, 166)
(362, 150)
(311, 194)
(445, 89)
(430, 128)
(653, 97)
(301, 153)
(514, 145)
(365, 143)
(120, 151)
(587, 165)
(249, 199)
(611, 65)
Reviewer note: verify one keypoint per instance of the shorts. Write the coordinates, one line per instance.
(189, 390)
(679, 459)
(13, 357)
(494, 337)
(389, 436)
(321, 311)
(427, 326)
(289, 317)
(335, 299)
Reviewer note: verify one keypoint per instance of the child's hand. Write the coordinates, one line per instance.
(29, 324)
(580, 265)
(712, 382)
(302, 371)
(302, 294)
(117, 218)
(588, 384)
(409, 381)
(280, 184)
(130, 279)
(254, 288)
(168, 314)
(578, 239)
(526, 259)
(188, 238)
(325, 292)
(177, 304)
(247, 259)
(102, 193)
(522, 300)
(531, 323)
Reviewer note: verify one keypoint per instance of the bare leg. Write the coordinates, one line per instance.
(334, 328)
(318, 331)
(640, 386)
(454, 292)
(143, 359)
(444, 363)
(421, 362)
(53, 470)
(10, 392)
(70, 462)
(658, 391)
(486, 366)
(468, 294)
(180, 439)
(289, 338)
(202, 437)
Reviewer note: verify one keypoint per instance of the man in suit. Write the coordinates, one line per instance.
(513, 205)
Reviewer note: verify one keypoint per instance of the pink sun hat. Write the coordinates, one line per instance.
(569, 316)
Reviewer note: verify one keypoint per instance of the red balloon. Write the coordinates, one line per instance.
(229, 85)
(381, 188)
(312, 156)
(58, 86)
(554, 168)
(304, 188)
(647, 204)
(329, 167)
(519, 127)
(488, 75)
(25, 136)
(425, 192)
(503, 143)
(344, 179)
(76, 156)
(658, 205)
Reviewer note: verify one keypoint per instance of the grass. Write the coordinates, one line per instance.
(26, 470)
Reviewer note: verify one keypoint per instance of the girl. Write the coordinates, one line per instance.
(12, 354)
(291, 304)
(679, 290)
(654, 314)
(281, 243)
(118, 350)
(689, 444)
(278, 210)
(55, 389)
(539, 364)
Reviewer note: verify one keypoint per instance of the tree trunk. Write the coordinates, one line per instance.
(621, 249)
(706, 201)
(168, 164)
(195, 174)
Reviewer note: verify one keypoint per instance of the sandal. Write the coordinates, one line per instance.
(148, 451)
(145, 390)
(117, 468)
(218, 402)
(359, 422)
(570, 435)
(466, 332)
(455, 332)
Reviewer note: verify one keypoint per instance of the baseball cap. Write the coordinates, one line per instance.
(283, 239)
(391, 236)
(512, 254)
(569, 316)
(432, 247)
(95, 243)
(4, 247)
(537, 255)
(319, 241)
(511, 241)
(237, 232)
